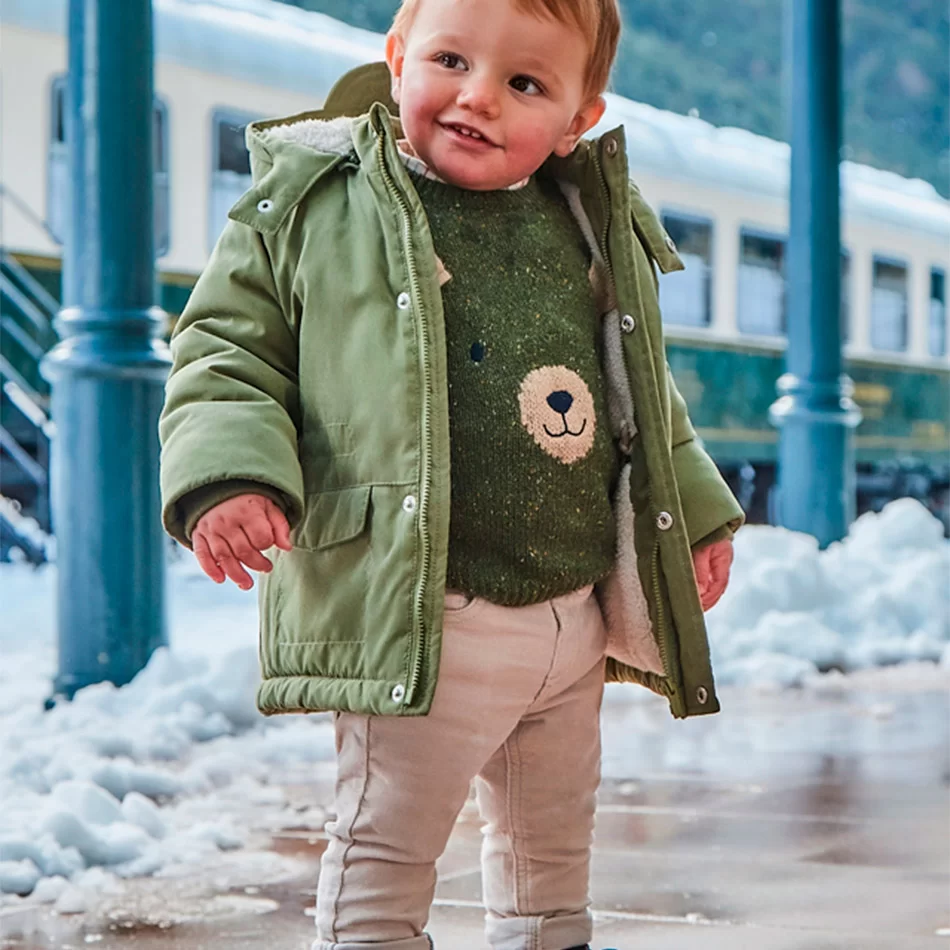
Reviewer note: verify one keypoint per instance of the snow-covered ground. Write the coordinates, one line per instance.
(880, 597)
(161, 774)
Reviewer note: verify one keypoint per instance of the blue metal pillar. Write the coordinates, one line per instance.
(108, 371)
(814, 411)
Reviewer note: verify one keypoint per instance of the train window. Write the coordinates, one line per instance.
(162, 210)
(687, 295)
(761, 284)
(57, 181)
(889, 305)
(845, 296)
(57, 178)
(230, 170)
(938, 312)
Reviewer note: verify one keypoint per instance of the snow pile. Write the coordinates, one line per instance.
(175, 767)
(147, 778)
(103, 781)
(880, 597)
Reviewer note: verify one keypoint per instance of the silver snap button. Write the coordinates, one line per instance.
(409, 503)
(671, 244)
(265, 205)
(627, 323)
(610, 147)
(399, 693)
(402, 301)
(664, 521)
(701, 694)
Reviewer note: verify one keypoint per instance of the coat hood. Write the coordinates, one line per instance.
(326, 133)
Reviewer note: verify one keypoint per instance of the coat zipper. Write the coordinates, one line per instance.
(655, 556)
(418, 646)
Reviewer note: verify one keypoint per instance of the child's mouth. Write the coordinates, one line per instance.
(468, 135)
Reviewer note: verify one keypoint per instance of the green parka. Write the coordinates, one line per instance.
(310, 365)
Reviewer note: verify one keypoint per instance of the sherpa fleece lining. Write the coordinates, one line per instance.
(322, 135)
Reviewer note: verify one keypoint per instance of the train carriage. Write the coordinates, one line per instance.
(721, 193)
(723, 197)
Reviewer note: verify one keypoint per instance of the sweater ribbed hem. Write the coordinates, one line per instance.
(524, 592)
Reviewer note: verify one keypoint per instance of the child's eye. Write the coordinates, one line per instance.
(527, 85)
(450, 61)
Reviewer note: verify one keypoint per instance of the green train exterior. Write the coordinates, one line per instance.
(902, 445)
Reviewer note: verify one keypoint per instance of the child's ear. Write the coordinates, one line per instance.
(395, 56)
(585, 119)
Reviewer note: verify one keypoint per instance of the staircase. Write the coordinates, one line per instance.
(26, 333)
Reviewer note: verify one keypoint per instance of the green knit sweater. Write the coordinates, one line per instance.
(533, 462)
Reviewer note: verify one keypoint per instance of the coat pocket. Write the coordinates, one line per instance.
(339, 605)
(333, 517)
(309, 605)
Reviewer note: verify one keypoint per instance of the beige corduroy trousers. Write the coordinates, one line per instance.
(517, 709)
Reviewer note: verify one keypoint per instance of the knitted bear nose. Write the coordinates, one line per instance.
(560, 401)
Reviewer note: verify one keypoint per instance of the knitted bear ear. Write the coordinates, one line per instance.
(558, 410)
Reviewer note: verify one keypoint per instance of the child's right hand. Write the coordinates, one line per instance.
(237, 531)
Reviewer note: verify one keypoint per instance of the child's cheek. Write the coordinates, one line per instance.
(530, 146)
(414, 128)
(416, 108)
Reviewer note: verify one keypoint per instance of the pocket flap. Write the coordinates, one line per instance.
(333, 517)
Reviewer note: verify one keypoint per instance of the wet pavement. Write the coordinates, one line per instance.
(790, 821)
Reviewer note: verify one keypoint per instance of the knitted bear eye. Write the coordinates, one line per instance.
(478, 352)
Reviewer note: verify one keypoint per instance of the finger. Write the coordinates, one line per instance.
(713, 598)
(231, 566)
(259, 530)
(205, 558)
(720, 583)
(701, 563)
(281, 527)
(247, 552)
(722, 555)
(717, 587)
(720, 566)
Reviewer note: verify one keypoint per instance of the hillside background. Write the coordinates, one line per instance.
(722, 60)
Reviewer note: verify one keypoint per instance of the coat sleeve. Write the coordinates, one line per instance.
(231, 409)
(709, 507)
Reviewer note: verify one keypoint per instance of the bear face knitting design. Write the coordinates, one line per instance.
(558, 410)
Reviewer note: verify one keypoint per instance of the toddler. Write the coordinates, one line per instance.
(425, 363)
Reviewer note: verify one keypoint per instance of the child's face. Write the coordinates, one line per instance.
(486, 93)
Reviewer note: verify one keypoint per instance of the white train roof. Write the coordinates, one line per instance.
(259, 41)
(280, 45)
(686, 148)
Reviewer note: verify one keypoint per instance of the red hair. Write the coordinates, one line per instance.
(597, 20)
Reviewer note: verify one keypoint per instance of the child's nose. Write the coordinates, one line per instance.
(479, 95)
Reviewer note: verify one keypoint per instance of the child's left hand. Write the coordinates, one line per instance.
(712, 564)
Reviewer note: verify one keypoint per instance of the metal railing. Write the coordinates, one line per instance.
(27, 310)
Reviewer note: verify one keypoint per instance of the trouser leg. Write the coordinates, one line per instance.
(403, 780)
(537, 795)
